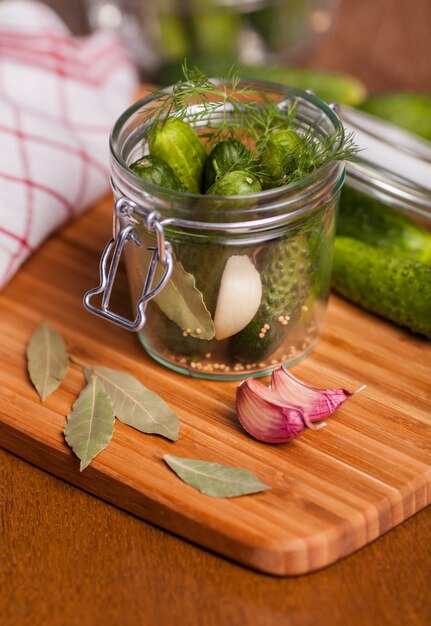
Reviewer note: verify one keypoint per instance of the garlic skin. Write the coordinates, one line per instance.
(265, 415)
(281, 412)
(315, 403)
(239, 296)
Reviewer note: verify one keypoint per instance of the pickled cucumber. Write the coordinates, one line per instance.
(275, 158)
(393, 287)
(237, 183)
(154, 170)
(225, 157)
(176, 143)
(374, 223)
(284, 268)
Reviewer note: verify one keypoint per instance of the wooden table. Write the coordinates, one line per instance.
(68, 558)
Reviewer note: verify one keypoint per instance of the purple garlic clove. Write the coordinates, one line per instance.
(265, 415)
(315, 403)
(281, 412)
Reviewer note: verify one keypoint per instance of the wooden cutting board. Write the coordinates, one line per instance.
(333, 490)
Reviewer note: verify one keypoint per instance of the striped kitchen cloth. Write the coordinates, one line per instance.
(59, 96)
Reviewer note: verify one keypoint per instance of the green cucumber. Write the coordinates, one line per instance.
(215, 31)
(286, 273)
(173, 33)
(154, 170)
(236, 183)
(275, 158)
(409, 110)
(176, 143)
(377, 224)
(282, 25)
(328, 86)
(393, 287)
(226, 156)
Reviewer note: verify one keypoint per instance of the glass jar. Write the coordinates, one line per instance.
(213, 34)
(183, 248)
(394, 167)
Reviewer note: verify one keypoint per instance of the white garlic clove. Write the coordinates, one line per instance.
(239, 296)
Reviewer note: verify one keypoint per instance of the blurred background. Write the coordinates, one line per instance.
(372, 54)
(385, 44)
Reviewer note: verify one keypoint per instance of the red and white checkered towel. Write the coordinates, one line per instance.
(59, 96)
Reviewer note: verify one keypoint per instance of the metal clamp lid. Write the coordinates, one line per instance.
(161, 253)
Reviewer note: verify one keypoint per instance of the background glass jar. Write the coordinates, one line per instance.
(284, 235)
(214, 34)
(394, 167)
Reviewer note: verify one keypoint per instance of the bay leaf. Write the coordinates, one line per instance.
(90, 425)
(47, 359)
(214, 479)
(183, 303)
(136, 405)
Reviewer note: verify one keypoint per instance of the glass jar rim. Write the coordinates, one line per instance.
(301, 186)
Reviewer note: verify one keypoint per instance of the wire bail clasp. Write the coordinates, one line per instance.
(109, 261)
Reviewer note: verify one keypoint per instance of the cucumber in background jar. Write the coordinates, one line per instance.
(203, 30)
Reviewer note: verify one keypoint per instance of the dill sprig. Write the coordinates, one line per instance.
(196, 98)
(228, 108)
(312, 153)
